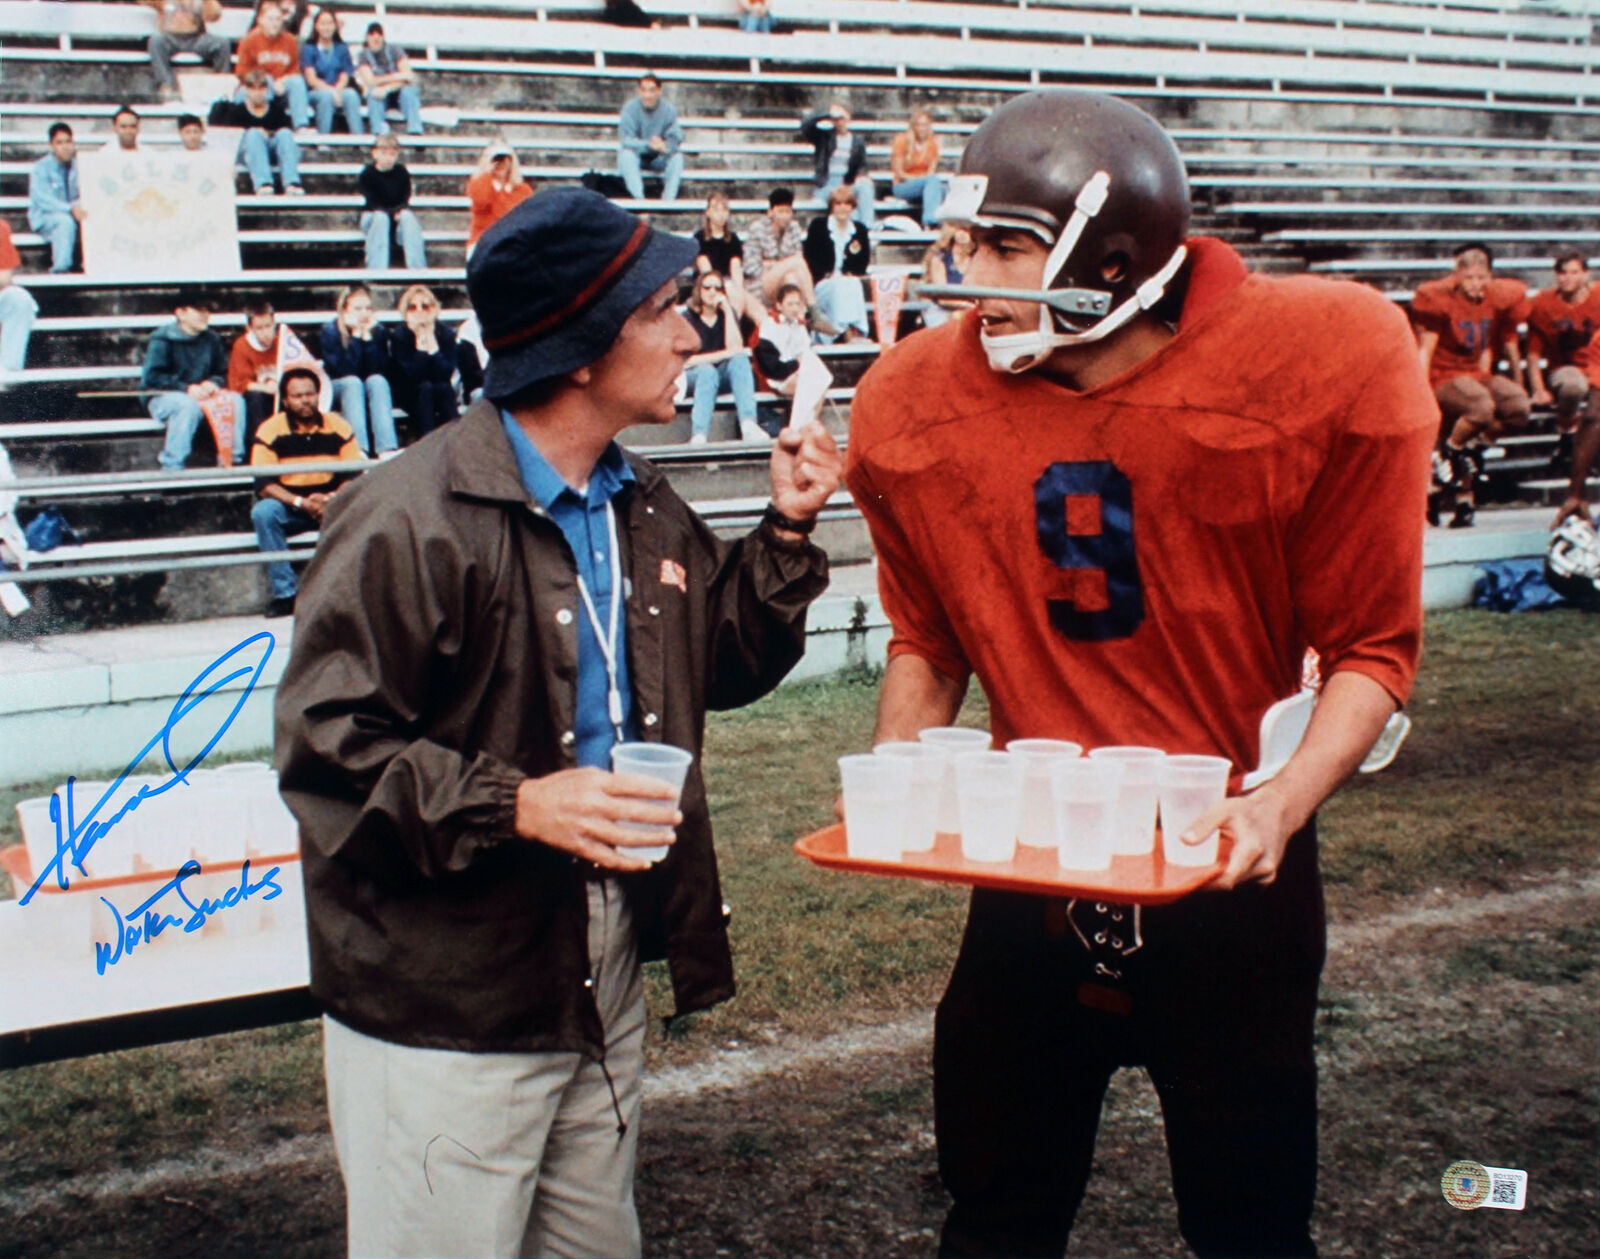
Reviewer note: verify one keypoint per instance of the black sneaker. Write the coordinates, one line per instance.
(280, 607)
(1464, 467)
(1436, 499)
(1463, 516)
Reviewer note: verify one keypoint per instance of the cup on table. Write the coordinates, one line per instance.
(661, 761)
(989, 796)
(1135, 825)
(927, 782)
(953, 740)
(877, 793)
(1189, 786)
(1086, 793)
(1037, 825)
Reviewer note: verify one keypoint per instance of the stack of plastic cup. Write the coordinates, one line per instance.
(953, 740)
(989, 795)
(1086, 796)
(652, 760)
(1189, 786)
(1037, 825)
(927, 782)
(1135, 832)
(877, 792)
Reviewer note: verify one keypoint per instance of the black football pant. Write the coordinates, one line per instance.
(1218, 1005)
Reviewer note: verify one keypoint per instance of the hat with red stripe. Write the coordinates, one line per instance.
(555, 279)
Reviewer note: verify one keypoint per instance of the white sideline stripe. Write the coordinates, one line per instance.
(730, 1069)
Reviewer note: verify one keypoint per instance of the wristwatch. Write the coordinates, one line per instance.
(772, 516)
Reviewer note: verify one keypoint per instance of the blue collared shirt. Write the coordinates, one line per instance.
(52, 188)
(581, 517)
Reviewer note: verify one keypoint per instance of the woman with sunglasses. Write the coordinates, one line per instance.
(424, 360)
(723, 361)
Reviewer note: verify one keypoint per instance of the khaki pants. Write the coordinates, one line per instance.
(496, 1154)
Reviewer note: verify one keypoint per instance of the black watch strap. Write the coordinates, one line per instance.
(772, 516)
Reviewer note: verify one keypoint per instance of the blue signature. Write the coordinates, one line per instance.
(131, 932)
(75, 839)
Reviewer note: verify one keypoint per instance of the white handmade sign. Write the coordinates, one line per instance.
(159, 213)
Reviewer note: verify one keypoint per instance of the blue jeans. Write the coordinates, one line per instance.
(298, 94)
(275, 523)
(375, 226)
(843, 303)
(360, 401)
(61, 230)
(17, 312)
(709, 379)
(866, 199)
(926, 189)
(756, 23)
(631, 166)
(182, 415)
(257, 152)
(410, 109)
(323, 101)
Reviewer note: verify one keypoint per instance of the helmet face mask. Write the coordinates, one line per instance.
(1572, 564)
(1101, 185)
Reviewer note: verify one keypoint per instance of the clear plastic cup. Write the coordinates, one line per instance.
(927, 782)
(989, 795)
(1037, 826)
(1135, 832)
(652, 760)
(877, 792)
(953, 740)
(1189, 786)
(1086, 793)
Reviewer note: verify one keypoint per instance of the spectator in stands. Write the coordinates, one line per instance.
(276, 53)
(784, 342)
(837, 251)
(914, 167)
(772, 256)
(181, 27)
(17, 307)
(755, 16)
(125, 127)
(330, 74)
(383, 72)
(355, 354)
(191, 132)
(945, 262)
(186, 366)
(1562, 320)
(650, 139)
(1463, 320)
(723, 360)
(295, 16)
(423, 362)
(495, 187)
(293, 502)
(722, 251)
(625, 13)
(266, 139)
(253, 365)
(385, 187)
(841, 158)
(54, 208)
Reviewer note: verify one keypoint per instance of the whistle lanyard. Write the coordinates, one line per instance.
(607, 637)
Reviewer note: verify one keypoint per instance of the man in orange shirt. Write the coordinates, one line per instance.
(253, 366)
(270, 48)
(1562, 320)
(914, 164)
(1462, 321)
(1128, 490)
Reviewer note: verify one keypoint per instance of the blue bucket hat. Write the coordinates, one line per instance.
(554, 280)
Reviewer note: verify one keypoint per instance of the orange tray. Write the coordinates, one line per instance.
(14, 861)
(1148, 880)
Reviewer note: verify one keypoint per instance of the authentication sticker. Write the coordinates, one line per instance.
(1468, 1185)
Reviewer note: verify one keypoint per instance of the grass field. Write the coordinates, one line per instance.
(1497, 790)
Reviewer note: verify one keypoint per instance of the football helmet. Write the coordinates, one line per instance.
(1572, 564)
(1102, 185)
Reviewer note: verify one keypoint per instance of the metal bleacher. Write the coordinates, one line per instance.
(1349, 137)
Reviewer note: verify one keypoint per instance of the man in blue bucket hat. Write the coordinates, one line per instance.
(487, 616)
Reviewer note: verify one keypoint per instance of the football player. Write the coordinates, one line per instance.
(1586, 445)
(1127, 489)
(1562, 320)
(1462, 320)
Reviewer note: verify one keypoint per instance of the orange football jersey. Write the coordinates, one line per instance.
(1465, 327)
(1559, 331)
(1147, 561)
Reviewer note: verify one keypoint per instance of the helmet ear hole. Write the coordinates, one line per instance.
(1114, 268)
